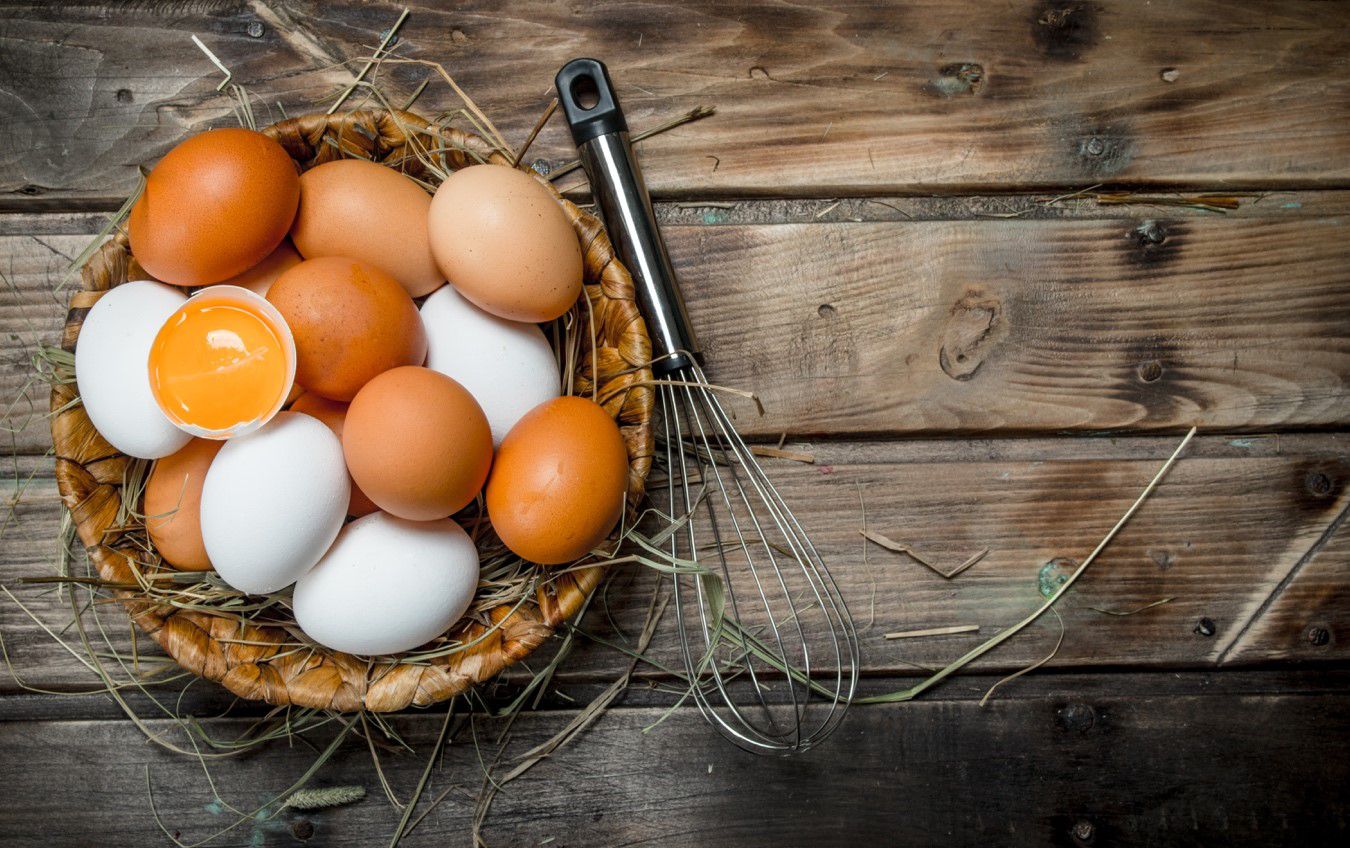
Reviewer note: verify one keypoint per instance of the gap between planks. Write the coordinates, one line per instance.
(1284, 583)
(80, 216)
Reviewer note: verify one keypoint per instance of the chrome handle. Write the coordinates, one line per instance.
(601, 135)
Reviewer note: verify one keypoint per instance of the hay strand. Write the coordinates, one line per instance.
(994, 642)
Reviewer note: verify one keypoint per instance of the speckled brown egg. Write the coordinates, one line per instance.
(351, 321)
(500, 237)
(351, 207)
(333, 413)
(558, 481)
(214, 206)
(418, 443)
(173, 501)
(260, 277)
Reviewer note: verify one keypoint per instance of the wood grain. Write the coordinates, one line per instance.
(998, 326)
(1026, 325)
(1231, 521)
(1117, 760)
(820, 277)
(1308, 614)
(818, 99)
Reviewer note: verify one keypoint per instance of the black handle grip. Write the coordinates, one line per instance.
(601, 134)
(588, 100)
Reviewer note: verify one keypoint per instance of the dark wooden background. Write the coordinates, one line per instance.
(866, 240)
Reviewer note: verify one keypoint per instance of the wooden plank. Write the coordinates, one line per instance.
(1026, 325)
(565, 695)
(932, 327)
(1230, 523)
(1027, 206)
(1114, 766)
(1308, 614)
(814, 99)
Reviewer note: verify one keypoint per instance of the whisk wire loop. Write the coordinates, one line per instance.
(780, 617)
(786, 621)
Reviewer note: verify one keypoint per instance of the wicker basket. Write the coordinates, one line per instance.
(248, 659)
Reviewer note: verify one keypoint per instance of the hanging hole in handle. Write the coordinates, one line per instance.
(585, 93)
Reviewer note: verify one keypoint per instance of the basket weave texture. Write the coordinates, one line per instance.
(253, 661)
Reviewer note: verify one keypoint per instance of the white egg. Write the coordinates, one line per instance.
(112, 371)
(273, 501)
(508, 367)
(388, 585)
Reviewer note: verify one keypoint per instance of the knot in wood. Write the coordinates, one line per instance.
(1084, 830)
(1150, 371)
(1076, 717)
(1150, 232)
(956, 79)
(1318, 484)
(1162, 558)
(974, 328)
(1318, 636)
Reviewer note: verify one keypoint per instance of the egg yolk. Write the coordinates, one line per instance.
(217, 364)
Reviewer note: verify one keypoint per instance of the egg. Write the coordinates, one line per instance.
(173, 501)
(223, 364)
(273, 502)
(388, 585)
(507, 366)
(355, 208)
(350, 321)
(333, 413)
(417, 442)
(214, 206)
(260, 277)
(110, 368)
(500, 237)
(558, 482)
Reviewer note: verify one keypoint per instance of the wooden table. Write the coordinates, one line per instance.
(960, 252)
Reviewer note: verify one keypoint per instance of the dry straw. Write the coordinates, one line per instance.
(427, 151)
(250, 643)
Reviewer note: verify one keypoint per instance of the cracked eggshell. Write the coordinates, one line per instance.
(273, 502)
(388, 585)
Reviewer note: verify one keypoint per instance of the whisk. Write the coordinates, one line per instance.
(766, 639)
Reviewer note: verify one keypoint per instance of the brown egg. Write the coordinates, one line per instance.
(418, 443)
(214, 206)
(558, 481)
(173, 501)
(351, 207)
(260, 277)
(502, 239)
(333, 413)
(351, 321)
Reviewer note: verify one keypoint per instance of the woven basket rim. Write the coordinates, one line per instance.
(246, 658)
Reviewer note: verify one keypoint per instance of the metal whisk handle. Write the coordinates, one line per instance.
(601, 135)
